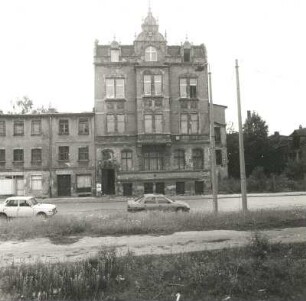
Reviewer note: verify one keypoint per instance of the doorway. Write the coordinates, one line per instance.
(127, 189)
(160, 187)
(108, 181)
(199, 187)
(19, 185)
(64, 185)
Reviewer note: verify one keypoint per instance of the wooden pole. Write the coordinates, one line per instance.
(241, 147)
(214, 178)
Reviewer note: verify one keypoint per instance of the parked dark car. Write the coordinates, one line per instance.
(156, 202)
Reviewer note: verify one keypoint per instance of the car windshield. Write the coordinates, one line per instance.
(32, 201)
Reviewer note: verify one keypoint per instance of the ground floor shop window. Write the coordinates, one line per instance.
(199, 187)
(84, 183)
(148, 187)
(160, 187)
(36, 182)
(127, 189)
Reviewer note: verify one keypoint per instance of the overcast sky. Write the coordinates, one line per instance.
(46, 50)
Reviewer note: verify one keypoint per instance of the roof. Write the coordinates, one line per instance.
(22, 198)
(299, 132)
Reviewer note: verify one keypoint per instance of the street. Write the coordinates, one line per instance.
(226, 203)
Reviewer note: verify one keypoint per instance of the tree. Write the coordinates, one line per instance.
(233, 154)
(25, 105)
(256, 146)
(22, 105)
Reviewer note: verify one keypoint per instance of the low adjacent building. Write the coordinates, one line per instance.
(47, 154)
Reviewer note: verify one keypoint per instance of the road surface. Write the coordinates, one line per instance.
(280, 201)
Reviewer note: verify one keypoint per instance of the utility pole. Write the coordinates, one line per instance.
(212, 146)
(241, 147)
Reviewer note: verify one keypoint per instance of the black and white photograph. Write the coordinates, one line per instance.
(152, 150)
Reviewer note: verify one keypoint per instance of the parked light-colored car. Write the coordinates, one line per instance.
(156, 202)
(25, 206)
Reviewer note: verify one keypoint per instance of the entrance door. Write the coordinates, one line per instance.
(108, 181)
(64, 185)
(19, 186)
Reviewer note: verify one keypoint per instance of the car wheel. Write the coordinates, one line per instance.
(180, 210)
(42, 215)
(3, 217)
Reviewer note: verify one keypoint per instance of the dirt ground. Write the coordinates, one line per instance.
(42, 249)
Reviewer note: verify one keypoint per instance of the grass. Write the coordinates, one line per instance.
(59, 228)
(260, 271)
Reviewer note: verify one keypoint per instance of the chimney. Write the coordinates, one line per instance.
(276, 133)
(249, 114)
(300, 127)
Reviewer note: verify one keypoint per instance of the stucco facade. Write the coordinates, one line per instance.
(47, 154)
(152, 116)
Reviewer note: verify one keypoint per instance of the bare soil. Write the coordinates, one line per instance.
(75, 248)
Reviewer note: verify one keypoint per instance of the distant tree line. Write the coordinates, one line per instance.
(263, 156)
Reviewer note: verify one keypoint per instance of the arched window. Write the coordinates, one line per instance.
(150, 54)
(179, 159)
(126, 160)
(197, 159)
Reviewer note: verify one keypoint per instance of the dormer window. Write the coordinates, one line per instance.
(115, 55)
(150, 54)
(187, 53)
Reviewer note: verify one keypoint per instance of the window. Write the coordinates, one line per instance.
(158, 119)
(194, 123)
(115, 88)
(153, 160)
(110, 123)
(184, 123)
(153, 123)
(218, 156)
(218, 134)
(180, 188)
(115, 55)
(63, 127)
(36, 182)
(18, 128)
(189, 123)
(152, 85)
(126, 160)
(12, 203)
(83, 153)
(2, 155)
(115, 123)
(63, 153)
(83, 126)
(2, 128)
(120, 123)
(83, 183)
(148, 188)
(36, 127)
(36, 155)
(187, 53)
(179, 159)
(148, 123)
(188, 87)
(197, 158)
(150, 54)
(18, 155)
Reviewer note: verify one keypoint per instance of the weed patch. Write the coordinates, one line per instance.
(155, 223)
(261, 271)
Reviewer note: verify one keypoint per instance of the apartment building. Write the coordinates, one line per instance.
(152, 117)
(47, 154)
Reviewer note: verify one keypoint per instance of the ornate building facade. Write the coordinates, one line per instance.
(152, 117)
